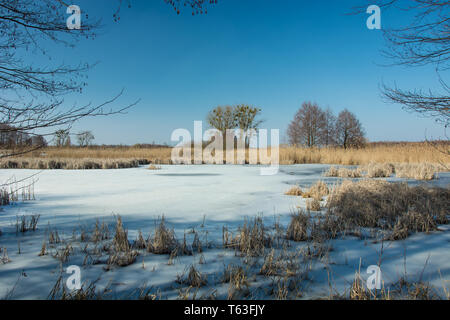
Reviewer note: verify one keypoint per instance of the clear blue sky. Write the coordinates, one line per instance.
(267, 53)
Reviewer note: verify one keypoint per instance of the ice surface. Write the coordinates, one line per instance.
(186, 195)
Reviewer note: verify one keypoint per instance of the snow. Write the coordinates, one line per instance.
(187, 196)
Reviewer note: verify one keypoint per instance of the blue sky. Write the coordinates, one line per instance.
(267, 53)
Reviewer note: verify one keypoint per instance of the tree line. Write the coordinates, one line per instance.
(311, 127)
(314, 127)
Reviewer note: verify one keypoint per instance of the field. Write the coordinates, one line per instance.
(205, 232)
(374, 152)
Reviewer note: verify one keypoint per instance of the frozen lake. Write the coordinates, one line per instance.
(186, 196)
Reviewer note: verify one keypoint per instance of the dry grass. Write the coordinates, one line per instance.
(70, 163)
(373, 152)
(298, 227)
(394, 207)
(27, 223)
(418, 171)
(421, 171)
(294, 191)
(121, 253)
(313, 205)
(379, 170)
(238, 281)
(88, 291)
(334, 171)
(163, 240)
(250, 240)
(411, 152)
(284, 264)
(317, 191)
(193, 278)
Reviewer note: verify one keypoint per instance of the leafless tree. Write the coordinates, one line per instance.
(349, 131)
(328, 137)
(85, 138)
(307, 126)
(32, 96)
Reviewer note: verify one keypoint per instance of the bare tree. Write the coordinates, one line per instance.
(328, 137)
(349, 131)
(31, 99)
(307, 126)
(85, 138)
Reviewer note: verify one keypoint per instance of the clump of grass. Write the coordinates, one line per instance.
(250, 239)
(415, 290)
(101, 232)
(394, 207)
(298, 227)
(312, 205)
(317, 191)
(27, 223)
(120, 240)
(63, 253)
(422, 171)
(163, 240)
(379, 170)
(121, 253)
(70, 163)
(193, 278)
(294, 191)
(53, 237)
(122, 259)
(285, 264)
(88, 291)
(358, 290)
(343, 172)
(238, 281)
(140, 242)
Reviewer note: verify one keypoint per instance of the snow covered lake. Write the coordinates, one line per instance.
(205, 198)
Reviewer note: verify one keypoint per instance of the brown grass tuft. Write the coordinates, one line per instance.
(294, 191)
(298, 227)
(394, 207)
(250, 239)
(163, 240)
